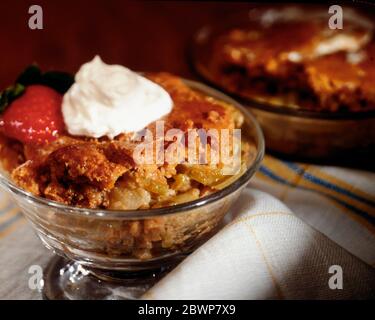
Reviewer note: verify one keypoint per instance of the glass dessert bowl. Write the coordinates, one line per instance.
(309, 86)
(118, 254)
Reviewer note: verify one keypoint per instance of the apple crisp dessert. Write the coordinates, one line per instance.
(290, 57)
(116, 172)
(102, 172)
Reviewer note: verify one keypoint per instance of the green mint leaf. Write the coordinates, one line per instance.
(31, 75)
(18, 89)
(10, 94)
(60, 81)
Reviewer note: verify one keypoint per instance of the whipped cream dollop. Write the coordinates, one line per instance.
(107, 100)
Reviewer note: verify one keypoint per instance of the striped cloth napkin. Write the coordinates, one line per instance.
(308, 225)
(338, 202)
(290, 227)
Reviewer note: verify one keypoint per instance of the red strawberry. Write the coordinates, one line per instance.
(35, 117)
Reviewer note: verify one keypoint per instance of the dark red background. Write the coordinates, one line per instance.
(142, 35)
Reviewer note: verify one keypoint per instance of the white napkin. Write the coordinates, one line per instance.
(268, 252)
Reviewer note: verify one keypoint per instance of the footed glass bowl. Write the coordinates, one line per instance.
(106, 254)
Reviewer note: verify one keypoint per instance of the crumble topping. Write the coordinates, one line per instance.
(101, 173)
(299, 63)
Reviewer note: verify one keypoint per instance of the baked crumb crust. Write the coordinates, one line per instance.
(101, 173)
(293, 63)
